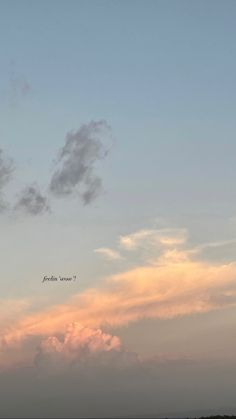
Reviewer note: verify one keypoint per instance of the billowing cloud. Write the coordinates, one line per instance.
(80, 341)
(75, 171)
(31, 201)
(79, 344)
(108, 253)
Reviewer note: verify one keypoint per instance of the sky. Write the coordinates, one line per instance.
(117, 208)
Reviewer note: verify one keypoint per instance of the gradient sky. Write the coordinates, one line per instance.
(154, 252)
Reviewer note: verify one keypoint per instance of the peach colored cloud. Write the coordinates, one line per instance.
(175, 283)
(83, 347)
(153, 237)
(11, 308)
(78, 343)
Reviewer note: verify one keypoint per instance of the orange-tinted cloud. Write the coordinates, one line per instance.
(79, 344)
(175, 284)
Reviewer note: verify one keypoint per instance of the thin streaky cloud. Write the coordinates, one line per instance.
(108, 253)
(197, 250)
(164, 237)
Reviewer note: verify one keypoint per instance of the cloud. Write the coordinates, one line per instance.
(6, 171)
(93, 189)
(108, 253)
(75, 167)
(80, 341)
(79, 344)
(84, 364)
(75, 171)
(65, 382)
(11, 308)
(175, 283)
(153, 237)
(32, 202)
(216, 244)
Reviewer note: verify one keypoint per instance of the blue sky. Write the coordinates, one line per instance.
(162, 75)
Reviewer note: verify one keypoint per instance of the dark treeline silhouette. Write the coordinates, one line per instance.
(217, 417)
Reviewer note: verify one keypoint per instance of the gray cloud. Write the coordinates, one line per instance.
(77, 159)
(93, 189)
(86, 372)
(32, 202)
(75, 167)
(111, 384)
(6, 170)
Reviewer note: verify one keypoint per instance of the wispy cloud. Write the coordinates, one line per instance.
(164, 237)
(108, 253)
(216, 244)
(77, 159)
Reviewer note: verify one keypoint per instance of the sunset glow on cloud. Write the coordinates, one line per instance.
(117, 208)
(174, 284)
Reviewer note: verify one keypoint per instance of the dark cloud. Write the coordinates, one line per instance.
(77, 159)
(98, 386)
(32, 202)
(86, 372)
(6, 170)
(75, 166)
(93, 189)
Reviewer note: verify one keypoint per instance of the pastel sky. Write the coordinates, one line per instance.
(117, 167)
